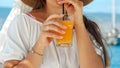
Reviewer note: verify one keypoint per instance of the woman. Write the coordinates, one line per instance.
(33, 42)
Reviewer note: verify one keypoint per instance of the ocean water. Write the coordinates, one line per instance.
(104, 20)
(114, 53)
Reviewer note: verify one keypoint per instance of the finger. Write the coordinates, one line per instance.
(11, 63)
(53, 28)
(56, 23)
(55, 16)
(68, 4)
(53, 35)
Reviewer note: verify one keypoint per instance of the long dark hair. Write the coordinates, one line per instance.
(91, 27)
(94, 30)
(39, 4)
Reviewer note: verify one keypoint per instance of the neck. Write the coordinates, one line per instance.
(39, 15)
(50, 9)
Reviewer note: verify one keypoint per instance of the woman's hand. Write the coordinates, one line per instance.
(86, 52)
(11, 63)
(49, 28)
(73, 7)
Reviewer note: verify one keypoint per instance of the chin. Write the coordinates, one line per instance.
(58, 6)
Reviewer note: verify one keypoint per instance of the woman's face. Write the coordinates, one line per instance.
(53, 3)
(54, 6)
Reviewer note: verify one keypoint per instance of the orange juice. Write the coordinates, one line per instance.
(66, 41)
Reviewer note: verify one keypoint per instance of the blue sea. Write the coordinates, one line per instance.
(104, 20)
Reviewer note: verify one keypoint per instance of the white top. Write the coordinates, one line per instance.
(23, 33)
(18, 8)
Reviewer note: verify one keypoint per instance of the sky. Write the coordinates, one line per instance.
(96, 6)
(102, 6)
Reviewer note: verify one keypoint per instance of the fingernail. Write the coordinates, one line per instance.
(65, 27)
(60, 37)
(61, 15)
(63, 32)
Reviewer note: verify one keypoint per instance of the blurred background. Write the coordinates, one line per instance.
(106, 13)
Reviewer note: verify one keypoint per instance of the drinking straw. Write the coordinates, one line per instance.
(63, 10)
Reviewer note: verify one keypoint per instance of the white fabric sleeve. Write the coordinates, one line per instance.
(97, 46)
(18, 8)
(17, 42)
